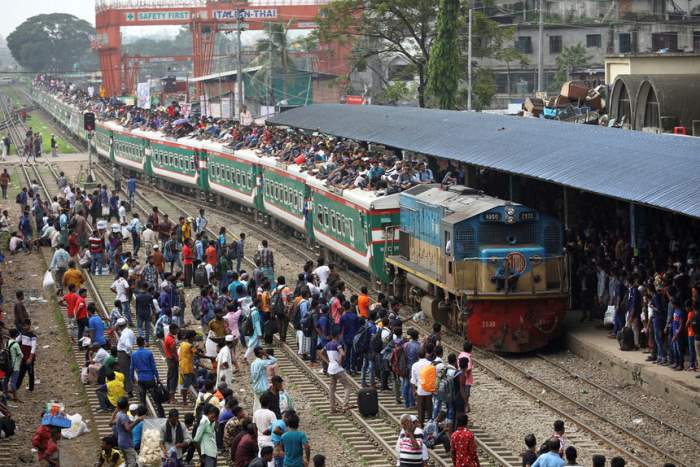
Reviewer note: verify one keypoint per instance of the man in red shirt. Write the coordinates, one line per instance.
(81, 314)
(187, 260)
(170, 350)
(70, 299)
(462, 445)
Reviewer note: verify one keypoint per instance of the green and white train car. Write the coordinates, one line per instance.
(233, 175)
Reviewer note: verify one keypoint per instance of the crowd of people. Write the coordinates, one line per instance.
(341, 163)
(647, 293)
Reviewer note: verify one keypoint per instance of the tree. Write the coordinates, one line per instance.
(509, 55)
(567, 60)
(53, 42)
(484, 88)
(383, 28)
(274, 57)
(443, 66)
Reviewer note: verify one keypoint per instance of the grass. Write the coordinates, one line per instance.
(38, 123)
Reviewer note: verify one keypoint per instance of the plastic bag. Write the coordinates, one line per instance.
(609, 317)
(84, 375)
(48, 280)
(77, 427)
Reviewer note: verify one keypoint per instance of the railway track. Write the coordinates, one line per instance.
(591, 427)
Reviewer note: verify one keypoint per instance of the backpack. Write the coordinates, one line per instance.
(196, 307)
(445, 386)
(6, 359)
(202, 408)
(18, 198)
(376, 343)
(307, 324)
(246, 325)
(360, 342)
(399, 361)
(295, 316)
(277, 307)
(201, 278)
(427, 378)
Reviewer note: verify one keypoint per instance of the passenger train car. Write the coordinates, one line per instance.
(488, 267)
(348, 223)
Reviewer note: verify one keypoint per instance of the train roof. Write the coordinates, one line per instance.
(463, 202)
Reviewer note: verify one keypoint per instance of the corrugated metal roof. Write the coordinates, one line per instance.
(656, 170)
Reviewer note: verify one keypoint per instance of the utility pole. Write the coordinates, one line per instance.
(270, 91)
(540, 51)
(469, 64)
(239, 55)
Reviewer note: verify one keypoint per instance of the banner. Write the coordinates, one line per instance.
(143, 95)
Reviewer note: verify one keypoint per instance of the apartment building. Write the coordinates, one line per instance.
(602, 27)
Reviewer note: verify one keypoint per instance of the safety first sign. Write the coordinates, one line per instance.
(157, 15)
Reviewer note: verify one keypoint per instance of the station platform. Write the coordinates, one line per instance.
(589, 340)
(73, 157)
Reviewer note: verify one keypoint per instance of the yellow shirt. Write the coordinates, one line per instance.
(115, 388)
(186, 358)
(73, 276)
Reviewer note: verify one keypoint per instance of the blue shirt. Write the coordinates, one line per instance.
(275, 438)
(124, 440)
(98, 326)
(412, 350)
(136, 433)
(293, 443)
(349, 324)
(258, 374)
(131, 185)
(232, 290)
(549, 459)
(143, 363)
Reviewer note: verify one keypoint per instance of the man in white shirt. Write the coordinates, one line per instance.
(424, 399)
(126, 342)
(263, 418)
(322, 272)
(245, 117)
(224, 363)
(121, 288)
(149, 238)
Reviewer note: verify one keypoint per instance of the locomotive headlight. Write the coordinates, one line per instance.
(510, 211)
(510, 220)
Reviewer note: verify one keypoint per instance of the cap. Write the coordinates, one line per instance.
(133, 407)
(414, 418)
(229, 338)
(155, 247)
(121, 322)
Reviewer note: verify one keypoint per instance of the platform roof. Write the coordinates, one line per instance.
(658, 170)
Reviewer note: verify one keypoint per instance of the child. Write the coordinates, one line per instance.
(137, 430)
(319, 460)
(109, 456)
(115, 314)
(530, 455)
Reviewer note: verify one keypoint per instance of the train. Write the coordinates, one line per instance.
(490, 269)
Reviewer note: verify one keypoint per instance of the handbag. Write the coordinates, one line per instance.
(105, 210)
(609, 317)
(160, 393)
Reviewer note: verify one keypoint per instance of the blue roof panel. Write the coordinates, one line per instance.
(656, 170)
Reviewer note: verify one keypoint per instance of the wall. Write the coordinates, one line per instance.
(651, 65)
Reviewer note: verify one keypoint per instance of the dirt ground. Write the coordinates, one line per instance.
(57, 374)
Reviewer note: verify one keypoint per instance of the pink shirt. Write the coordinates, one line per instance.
(231, 319)
(470, 374)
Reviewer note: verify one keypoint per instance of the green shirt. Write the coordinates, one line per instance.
(15, 354)
(206, 437)
(109, 362)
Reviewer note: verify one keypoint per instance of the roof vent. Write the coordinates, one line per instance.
(463, 190)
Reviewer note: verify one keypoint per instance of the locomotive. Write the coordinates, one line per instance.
(488, 268)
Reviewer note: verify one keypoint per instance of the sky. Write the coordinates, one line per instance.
(14, 16)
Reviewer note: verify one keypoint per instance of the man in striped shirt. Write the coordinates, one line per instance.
(27, 343)
(97, 250)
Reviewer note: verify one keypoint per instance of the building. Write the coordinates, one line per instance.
(671, 63)
(603, 28)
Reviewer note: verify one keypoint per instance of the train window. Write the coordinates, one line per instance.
(319, 216)
(296, 200)
(286, 195)
(351, 229)
(334, 226)
(277, 192)
(326, 217)
(267, 189)
(238, 177)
